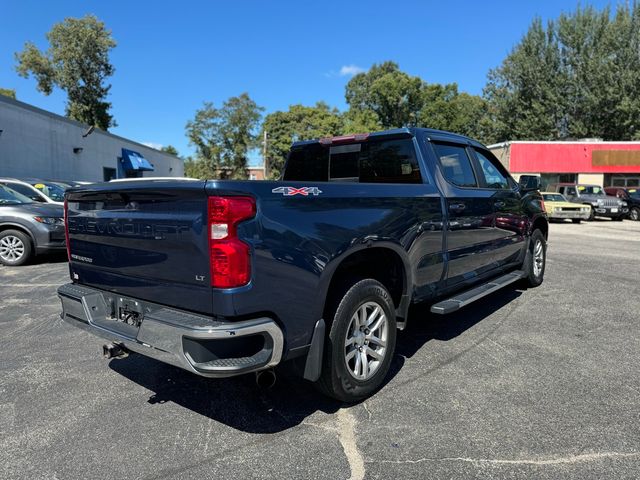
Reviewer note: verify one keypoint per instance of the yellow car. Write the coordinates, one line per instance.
(558, 208)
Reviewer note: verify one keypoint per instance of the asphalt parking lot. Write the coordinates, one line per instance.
(543, 383)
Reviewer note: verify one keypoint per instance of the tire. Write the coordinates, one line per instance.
(535, 261)
(634, 214)
(592, 215)
(618, 219)
(344, 375)
(576, 220)
(15, 248)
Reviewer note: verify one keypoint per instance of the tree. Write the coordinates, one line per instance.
(77, 61)
(578, 77)
(299, 122)
(392, 95)
(444, 108)
(8, 92)
(170, 149)
(222, 138)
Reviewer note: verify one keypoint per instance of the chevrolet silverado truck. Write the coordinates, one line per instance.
(319, 269)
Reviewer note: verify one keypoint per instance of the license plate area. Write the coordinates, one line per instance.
(118, 314)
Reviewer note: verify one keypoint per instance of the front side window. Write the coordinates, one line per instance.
(455, 164)
(492, 176)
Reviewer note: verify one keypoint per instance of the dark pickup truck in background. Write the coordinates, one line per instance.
(227, 277)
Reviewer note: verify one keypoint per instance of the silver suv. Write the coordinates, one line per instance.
(28, 228)
(602, 205)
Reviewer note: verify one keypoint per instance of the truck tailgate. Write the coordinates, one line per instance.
(138, 238)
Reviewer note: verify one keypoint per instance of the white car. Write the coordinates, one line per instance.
(37, 190)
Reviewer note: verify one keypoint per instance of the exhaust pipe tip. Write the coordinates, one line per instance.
(114, 350)
(266, 379)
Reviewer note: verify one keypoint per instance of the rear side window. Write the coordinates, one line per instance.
(456, 165)
(387, 161)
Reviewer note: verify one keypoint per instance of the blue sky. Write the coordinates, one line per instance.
(172, 56)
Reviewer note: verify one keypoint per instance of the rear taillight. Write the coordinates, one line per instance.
(66, 229)
(230, 257)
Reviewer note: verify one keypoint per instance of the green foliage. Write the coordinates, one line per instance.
(578, 77)
(444, 108)
(77, 61)
(222, 138)
(297, 123)
(392, 95)
(8, 92)
(170, 149)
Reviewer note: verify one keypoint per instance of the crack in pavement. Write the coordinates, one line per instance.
(347, 437)
(587, 457)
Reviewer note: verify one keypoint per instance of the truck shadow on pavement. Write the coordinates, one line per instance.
(239, 403)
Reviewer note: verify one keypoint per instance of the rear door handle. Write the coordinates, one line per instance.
(457, 207)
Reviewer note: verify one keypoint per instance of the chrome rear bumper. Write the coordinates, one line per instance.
(193, 342)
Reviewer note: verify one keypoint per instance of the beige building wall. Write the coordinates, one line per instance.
(591, 178)
(502, 152)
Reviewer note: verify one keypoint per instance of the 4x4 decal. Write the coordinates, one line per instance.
(290, 191)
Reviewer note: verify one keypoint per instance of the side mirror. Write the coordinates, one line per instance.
(529, 183)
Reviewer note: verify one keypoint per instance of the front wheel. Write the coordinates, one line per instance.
(634, 214)
(360, 343)
(15, 248)
(535, 260)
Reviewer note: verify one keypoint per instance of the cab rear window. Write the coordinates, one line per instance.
(385, 161)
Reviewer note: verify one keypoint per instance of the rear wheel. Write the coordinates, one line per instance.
(634, 214)
(360, 343)
(15, 248)
(535, 260)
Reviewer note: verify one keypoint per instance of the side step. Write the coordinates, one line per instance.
(465, 298)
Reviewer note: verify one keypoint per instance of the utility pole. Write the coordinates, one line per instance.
(264, 155)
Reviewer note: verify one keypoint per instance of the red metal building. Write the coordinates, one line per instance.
(589, 161)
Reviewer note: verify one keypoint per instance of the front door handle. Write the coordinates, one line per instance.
(457, 207)
(499, 204)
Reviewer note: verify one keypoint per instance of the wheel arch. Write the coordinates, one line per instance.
(383, 261)
(16, 226)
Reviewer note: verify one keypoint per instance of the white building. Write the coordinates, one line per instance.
(40, 144)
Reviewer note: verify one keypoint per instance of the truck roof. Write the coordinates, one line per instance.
(395, 132)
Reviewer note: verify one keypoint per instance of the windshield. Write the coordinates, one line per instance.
(52, 190)
(634, 192)
(9, 196)
(591, 190)
(553, 197)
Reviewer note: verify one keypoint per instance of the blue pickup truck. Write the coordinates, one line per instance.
(319, 269)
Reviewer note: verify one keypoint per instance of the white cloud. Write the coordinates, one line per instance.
(157, 146)
(345, 71)
(350, 70)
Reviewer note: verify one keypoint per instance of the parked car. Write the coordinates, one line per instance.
(28, 228)
(38, 191)
(222, 278)
(52, 190)
(602, 205)
(629, 195)
(558, 208)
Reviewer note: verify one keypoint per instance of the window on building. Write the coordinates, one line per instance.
(108, 173)
(455, 164)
